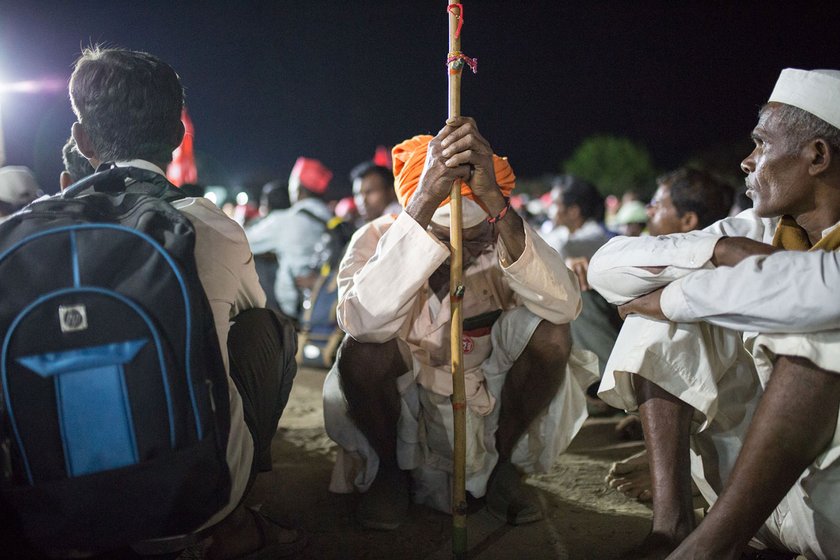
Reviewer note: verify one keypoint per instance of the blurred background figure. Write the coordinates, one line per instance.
(347, 210)
(373, 191)
(76, 166)
(18, 188)
(293, 234)
(274, 199)
(577, 214)
(687, 199)
(631, 218)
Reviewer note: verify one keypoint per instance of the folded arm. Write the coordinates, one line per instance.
(628, 267)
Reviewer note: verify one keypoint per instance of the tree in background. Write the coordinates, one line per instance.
(614, 164)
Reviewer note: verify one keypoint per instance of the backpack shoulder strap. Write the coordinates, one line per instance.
(116, 180)
(312, 215)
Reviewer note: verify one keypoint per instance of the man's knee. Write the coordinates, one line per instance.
(364, 363)
(551, 344)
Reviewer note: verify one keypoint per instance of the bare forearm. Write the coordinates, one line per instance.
(730, 251)
(510, 227)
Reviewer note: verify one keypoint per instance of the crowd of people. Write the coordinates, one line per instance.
(713, 327)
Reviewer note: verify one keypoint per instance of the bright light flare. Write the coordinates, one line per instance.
(34, 86)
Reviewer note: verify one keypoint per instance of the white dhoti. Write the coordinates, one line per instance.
(702, 365)
(425, 433)
(808, 518)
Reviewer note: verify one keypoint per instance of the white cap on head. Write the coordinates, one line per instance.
(815, 91)
(471, 213)
(18, 186)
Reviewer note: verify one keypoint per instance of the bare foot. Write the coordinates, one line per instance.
(631, 477)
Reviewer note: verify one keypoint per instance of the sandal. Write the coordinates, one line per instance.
(269, 549)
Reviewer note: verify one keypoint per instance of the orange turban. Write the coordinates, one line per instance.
(410, 157)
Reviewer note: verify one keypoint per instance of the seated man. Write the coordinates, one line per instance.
(782, 486)
(386, 401)
(105, 84)
(686, 199)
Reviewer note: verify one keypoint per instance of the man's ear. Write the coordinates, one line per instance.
(819, 156)
(689, 221)
(83, 143)
(64, 180)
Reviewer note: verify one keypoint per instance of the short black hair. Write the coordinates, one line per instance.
(583, 194)
(275, 195)
(368, 167)
(129, 104)
(698, 191)
(74, 162)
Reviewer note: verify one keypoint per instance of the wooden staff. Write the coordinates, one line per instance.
(459, 399)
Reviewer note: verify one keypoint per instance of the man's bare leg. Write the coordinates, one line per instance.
(368, 374)
(794, 422)
(530, 385)
(666, 422)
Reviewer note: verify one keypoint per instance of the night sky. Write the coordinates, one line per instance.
(269, 81)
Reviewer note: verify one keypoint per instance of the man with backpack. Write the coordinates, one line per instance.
(187, 476)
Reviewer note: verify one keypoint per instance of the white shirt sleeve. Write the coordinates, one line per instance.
(615, 269)
(787, 292)
(386, 264)
(541, 280)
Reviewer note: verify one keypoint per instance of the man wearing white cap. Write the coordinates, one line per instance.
(18, 188)
(775, 409)
(386, 401)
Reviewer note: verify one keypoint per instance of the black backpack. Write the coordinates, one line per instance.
(114, 415)
(333, 243)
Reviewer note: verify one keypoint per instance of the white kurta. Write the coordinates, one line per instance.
(384, 295)
(701, 363)
(226, 270)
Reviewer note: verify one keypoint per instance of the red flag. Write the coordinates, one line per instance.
(182, 169)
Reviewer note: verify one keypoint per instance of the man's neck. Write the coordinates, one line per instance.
(824, 215)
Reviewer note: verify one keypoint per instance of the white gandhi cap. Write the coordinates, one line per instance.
(814, 91)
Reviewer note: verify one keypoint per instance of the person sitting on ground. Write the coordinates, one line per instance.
(387, 398)
(686, 199)
(128, 109)
(783, 408)
(18, 188)
(293, 234)
(373, 190)
(76, 166)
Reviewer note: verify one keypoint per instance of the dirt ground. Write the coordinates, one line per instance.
(583, 518)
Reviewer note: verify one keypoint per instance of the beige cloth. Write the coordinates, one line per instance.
(226, 269)
(384, 294)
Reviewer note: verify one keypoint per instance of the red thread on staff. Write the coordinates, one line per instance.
(459, 15)
(459, 406)
(471, 62)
